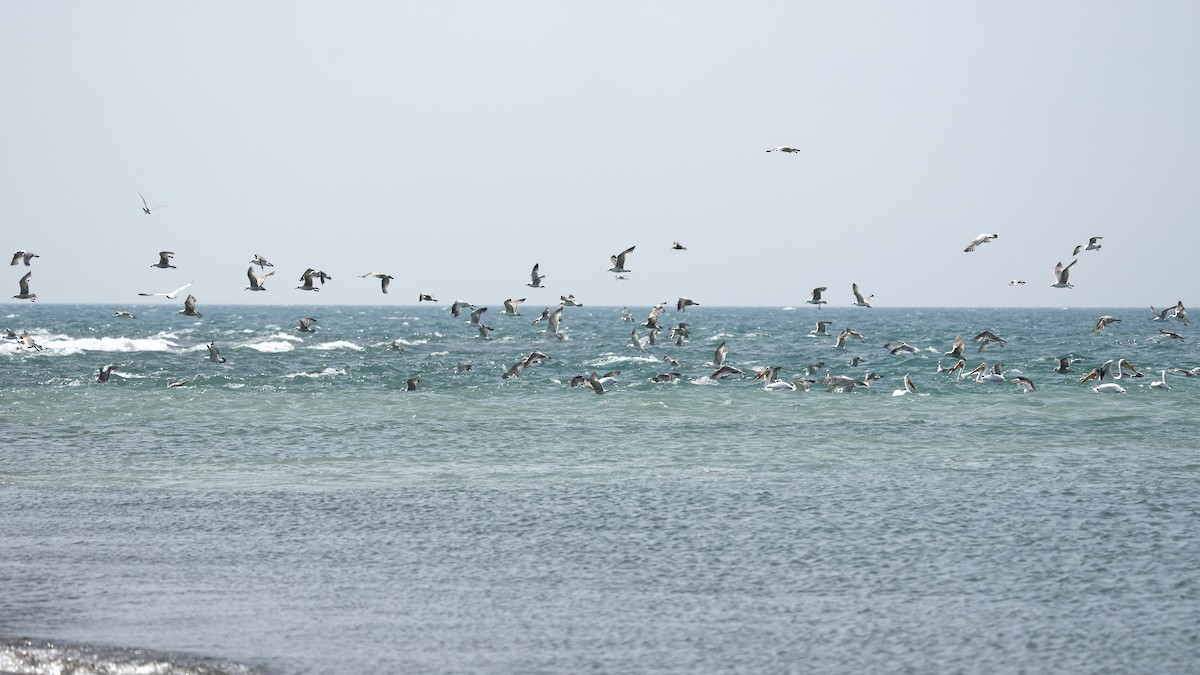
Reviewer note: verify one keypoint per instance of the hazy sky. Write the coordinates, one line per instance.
(455, 144)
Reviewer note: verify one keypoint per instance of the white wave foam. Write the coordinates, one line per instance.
(609, 359)
(270, 347)
(328, 372)
(106, 344)
(338, 344)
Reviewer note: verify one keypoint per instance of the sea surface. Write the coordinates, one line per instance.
(296, 510)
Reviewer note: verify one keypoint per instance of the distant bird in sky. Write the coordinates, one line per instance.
(146, 208)
(23, 256)
(815, 298)
(24, 286)
(257, 283)
(569, 301)
(164, 260)
(316, 274)
(859, 300)
(1104, 322)
(384, 279)
(535, 279)
(678, 246)
(1092, 245)
(618, 261)
(426, 297)
(172, 294)
(978, 241)
(1061, 274)
(260, 261)
(1016, 282)
(306, 323)
(784, 148)
(683, 303)
(189, 307)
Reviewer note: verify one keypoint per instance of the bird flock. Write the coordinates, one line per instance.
(312, 280)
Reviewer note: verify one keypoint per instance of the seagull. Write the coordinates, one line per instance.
(1016, 282)
(784, 148)
(124, 314)
(595, 383)
(476, 313)
(1162, 383)
(901, 347)
(189, 307)
(458, 306)
(1061, 273)
(985, 338)
(23, 256)
(1025, 382)
(626, 315)
(569, 301)
(260, 261)
(24, 285)
(821, 329)
(172, 294)
(27, 342)
(178, 383)
(683, 303)
(146, 207)
(909, 387)
(257, 283)
(1063, 364)
(620, 277)
(816, 297)
(510, 307)
(411, 383)
(1090, 246)
(105, 373)
(553, 320)
(315, 273)
(638, 342)
(859, 300)
(306, 323)
(484, 330)
(1104, 322)
(1170, 333)
(426, 297)
(670, 361)
(956, 352)
(164, 260)
(214, 354)
(307, 278)
(981, 239)
(384, 279)
(719, 355)
(676, 246)
(535, 278)
(618, 262)
(395, 346)
(726, 371)
(666, 377)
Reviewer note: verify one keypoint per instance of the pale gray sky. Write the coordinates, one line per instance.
(455, 144)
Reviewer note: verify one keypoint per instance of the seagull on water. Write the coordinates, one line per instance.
(189, 307)
(164, 260)
(618, 262)
(124, 314)
(815, 298)
(978, 241)
(260, 261)
(535, 278)
(105, 373)
(24, 286)
(859, 300)
(384, 279)
(172, 294)
(23, 256)
(411, 383)
(257, 283)
(1061, 273)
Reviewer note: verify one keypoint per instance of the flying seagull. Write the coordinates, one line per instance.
(146, 208)
(214, 354)
(172, 294)
(815, 298)
(257, 283)
(1092, 245)
(618, 261)
(977, 241)
(189, 307)
(164, 260)
(307, 278)
(25, 294)
(426, 297)
(23, 256)
(784, 148)
(105, 373)
(306, 323)
(678, 246)
(1104, 322)
(1061, 273)
(384, 279)
(859, 300)
(535, 278)
(260, 261)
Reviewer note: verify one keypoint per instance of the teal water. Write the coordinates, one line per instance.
(295, 510)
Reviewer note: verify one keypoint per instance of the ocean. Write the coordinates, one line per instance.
(296, 510)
